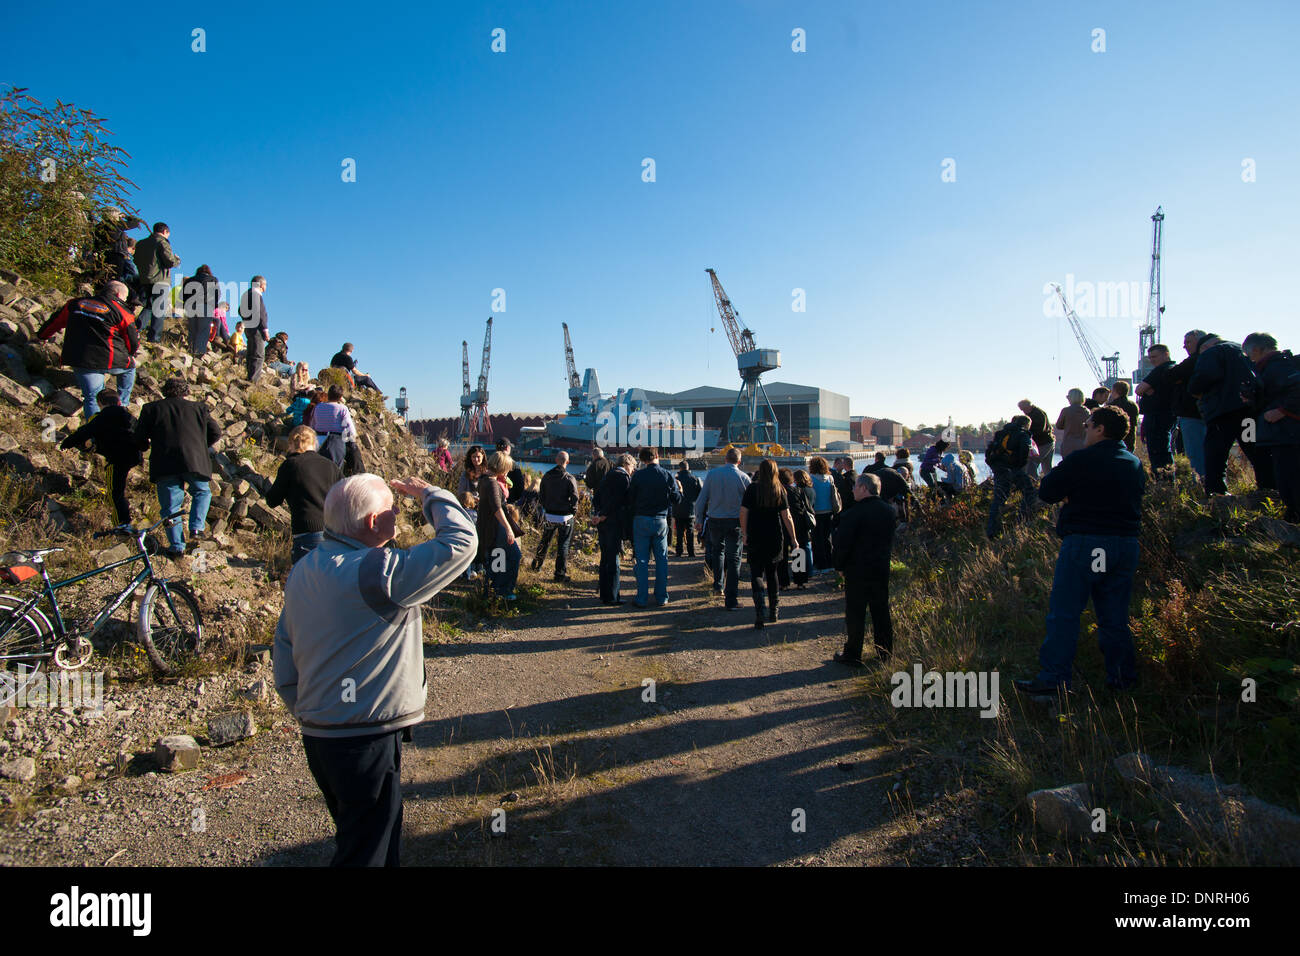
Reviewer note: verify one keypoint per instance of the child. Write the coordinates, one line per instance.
(237, 341)
(112, 430)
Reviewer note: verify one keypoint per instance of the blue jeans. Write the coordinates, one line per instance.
(724, 539)
(92, 383)
(1074, 583)
(1193, 432)
(304, 544)
(171, 499)
(650, 533)
(152, 319)
(503, 581)
(284, 368)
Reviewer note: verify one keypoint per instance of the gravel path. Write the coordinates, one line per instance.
(543, 732)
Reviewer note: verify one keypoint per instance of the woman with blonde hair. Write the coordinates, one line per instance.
(300, 382)
(1071, 422)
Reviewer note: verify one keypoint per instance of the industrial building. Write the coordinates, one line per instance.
(804, 413)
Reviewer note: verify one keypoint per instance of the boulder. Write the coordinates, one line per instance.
(12, 364)
(227, 728)
(1062, 811)
(15, 393)
(66, 402)
(176, 752)
(21, 768)
(272, 518)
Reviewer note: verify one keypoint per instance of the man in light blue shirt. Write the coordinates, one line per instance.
(719, 501)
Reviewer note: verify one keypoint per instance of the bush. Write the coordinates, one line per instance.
(58, 176)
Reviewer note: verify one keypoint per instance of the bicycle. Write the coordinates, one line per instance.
(169, 623)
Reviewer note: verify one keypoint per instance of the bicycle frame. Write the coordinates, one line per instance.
(61, 631)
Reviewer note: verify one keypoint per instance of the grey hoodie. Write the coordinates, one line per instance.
(349, 647)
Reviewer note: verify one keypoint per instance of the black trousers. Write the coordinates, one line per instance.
(1286, 475)
(560, 532)
(865, 591)
(1220, 433)
(361, 779)
(757, 574)
(686, 528)
(116, 473)
(610, 536)
(1156, 429)
(821, 541)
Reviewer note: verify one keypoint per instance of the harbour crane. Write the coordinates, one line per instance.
(1149, 333)
(1106, 376)
(466, 403)
(752, 418)
(475, 423)
(571, 371)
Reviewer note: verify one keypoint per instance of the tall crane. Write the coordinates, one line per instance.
(752, 417)
(571, 371)
(1110, 374)
(1149, 333)
(466, 402)
(475, 423)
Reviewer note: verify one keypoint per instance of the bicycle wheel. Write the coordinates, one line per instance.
(170, 625)
(31, 634)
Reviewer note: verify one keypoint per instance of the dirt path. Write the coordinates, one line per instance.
(548, 723)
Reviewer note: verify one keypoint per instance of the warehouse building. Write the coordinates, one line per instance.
(804, 413)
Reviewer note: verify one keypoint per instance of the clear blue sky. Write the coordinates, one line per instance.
(818, 170)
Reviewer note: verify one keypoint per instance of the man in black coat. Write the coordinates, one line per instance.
(304, 479)
(1277, 420)
(596, 471)
(845, 478)
(1006, 456)
(610, 506)
(180, 433)
(684, 510)
(112, 430)
(257, 325)
(861, 547)
(201, 295)
(1157, 397)
(559, 498)
(1224, 385)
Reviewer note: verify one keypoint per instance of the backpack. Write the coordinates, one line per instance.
(1003, 453)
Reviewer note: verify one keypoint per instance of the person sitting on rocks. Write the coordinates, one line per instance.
(343, 359)
(334, 427)
(100, 340)
(180, 433)
(304, 479)
(277, 354)
(111, 431)
(300, 382)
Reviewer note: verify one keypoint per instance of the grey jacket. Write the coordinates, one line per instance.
(349, 647)
(720, 497)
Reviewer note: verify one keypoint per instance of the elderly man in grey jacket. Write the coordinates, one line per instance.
(349, 652)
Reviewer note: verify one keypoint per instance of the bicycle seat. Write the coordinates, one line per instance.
(35, 556)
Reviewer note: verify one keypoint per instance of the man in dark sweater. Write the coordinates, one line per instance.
(596, 471)
(845, 478)
(1224, 384)
(1157, 394)
(1101, 486)
(1191, 427)
(180, 433)
(343, 359)
(609, 504)
(651, 494)
(861, 548)
(111, 432)
(1277, 423)
(559, 498)
(304, 479)
(1040, 430)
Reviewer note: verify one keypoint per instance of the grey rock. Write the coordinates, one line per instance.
(15, 393)
(1062, 811)
(227, 728)
(174, 753)
(21, 768)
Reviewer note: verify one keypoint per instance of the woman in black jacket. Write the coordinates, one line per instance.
(805, 520)
(304, 479)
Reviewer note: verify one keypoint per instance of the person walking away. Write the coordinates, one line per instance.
(99, 342)
(180, 434)
(1191, 427)
(304, 480)
(826, 506)
(684, 510)
(719, 503)
(1006, 456)
(1071, 421)
(1040, 432)
(343, 359)
(1101, 487)
(1225, 386)
(802, 503)
(559, 499)
(498, 547)
(652, 493)
(863, 545)
(1118, 398)
(1156, 397)
(154, 261)
(609, 504)
(334, 426)
(1277, 418)
(764, 520)
(252, 312)
(352, 619)
(112, 431)
(202, 298)
(844, 477)
(596, 471)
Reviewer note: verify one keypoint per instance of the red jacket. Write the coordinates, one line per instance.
(101, 333)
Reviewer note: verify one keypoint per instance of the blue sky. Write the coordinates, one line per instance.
(818, 171)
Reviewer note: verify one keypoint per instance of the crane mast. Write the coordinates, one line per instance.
(474, 422)
(1110, 375)
(571, 372)
(1149, 334)
(752, 417)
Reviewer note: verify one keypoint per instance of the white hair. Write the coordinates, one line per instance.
(351, 501)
